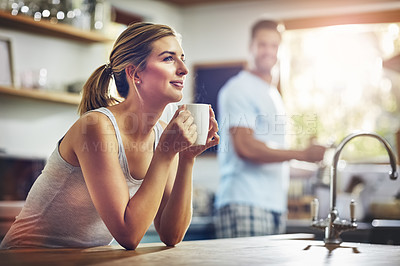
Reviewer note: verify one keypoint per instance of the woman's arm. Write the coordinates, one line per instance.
(127, 219)
(175, 213)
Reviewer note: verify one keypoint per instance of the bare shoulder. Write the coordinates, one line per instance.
(93, 126)
(89, 131)
(95, 121)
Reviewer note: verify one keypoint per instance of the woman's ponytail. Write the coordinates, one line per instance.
(95, 92)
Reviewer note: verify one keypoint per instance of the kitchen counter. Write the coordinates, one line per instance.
(290, 249)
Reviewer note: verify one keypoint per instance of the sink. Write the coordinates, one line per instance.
(385, 210)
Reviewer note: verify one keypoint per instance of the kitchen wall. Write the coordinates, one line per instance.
(211, 33)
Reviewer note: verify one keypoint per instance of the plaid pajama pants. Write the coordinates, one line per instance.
(235, 220)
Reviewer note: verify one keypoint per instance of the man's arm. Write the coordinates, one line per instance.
(249, 148)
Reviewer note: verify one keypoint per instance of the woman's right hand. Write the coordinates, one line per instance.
(179, 134)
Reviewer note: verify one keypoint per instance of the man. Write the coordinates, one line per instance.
(252, 196)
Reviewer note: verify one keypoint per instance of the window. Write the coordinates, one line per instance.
(333, 81)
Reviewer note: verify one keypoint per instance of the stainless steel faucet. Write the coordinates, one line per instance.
(333, 225)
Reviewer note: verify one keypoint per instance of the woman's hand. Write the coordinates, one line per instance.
(212, 139)
(179, 134)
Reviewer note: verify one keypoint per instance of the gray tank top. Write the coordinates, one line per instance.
(58, 211)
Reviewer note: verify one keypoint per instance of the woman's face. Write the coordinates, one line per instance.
(163, 78)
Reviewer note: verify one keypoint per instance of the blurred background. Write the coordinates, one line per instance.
(338, 73)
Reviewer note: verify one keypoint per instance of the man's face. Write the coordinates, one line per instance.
(264, 50)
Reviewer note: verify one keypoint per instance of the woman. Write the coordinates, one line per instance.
(119, 168)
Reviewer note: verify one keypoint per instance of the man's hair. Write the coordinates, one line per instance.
(265, 24)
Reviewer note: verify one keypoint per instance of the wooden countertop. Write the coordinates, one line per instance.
(294, 249)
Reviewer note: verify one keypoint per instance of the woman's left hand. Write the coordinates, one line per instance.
(212, 139)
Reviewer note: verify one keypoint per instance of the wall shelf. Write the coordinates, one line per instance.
(56, 97)
(27, 24)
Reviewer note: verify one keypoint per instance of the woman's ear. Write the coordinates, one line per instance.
(131, 73)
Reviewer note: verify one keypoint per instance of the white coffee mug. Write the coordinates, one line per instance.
(201, 115)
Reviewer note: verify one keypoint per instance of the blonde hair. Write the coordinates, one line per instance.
(133, 46)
